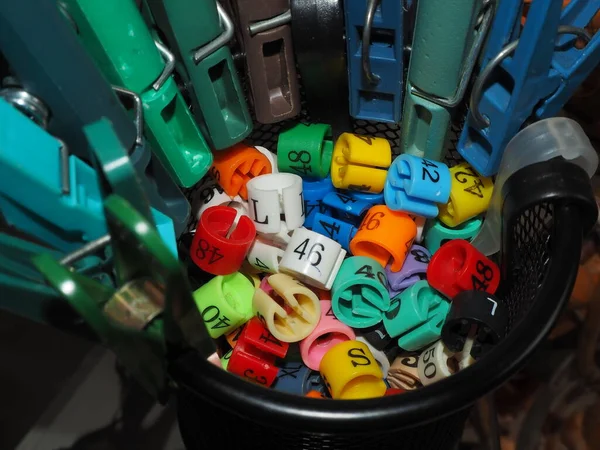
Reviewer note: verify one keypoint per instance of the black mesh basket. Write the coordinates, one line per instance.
(547, 209)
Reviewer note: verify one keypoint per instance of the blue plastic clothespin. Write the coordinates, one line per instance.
(570, 64)
(314, 192)
(522, 70)
(374, 37)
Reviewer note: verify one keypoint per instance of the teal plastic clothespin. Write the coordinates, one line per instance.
(152, 306)
(193, 31)
(447, 38)
(115, 34)
(55, 196)
(44, 191)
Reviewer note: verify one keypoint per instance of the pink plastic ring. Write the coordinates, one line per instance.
(265, 286)
(329, 332)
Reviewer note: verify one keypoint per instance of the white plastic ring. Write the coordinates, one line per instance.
(270, 156)
(433, 363)
(264, 256)
(380, 357)
(276, 199)
(312, 258)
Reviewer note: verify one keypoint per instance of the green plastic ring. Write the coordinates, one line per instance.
(428, 332)
(225, 302)
(359, 294)
(411, 308)
(305, 150)
(438, 234)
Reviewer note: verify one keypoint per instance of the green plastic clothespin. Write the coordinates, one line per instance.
(117, 175)
(115, 34)
(23, 290)
(150, 313)
(193, 31)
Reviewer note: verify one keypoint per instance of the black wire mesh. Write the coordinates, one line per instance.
(440, 434)
(532, 234)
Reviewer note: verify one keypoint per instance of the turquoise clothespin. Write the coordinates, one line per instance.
(55, 196)
(447, 38)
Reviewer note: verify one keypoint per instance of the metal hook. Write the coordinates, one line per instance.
(65, 12)
(169, 65)
(28, 104)
(480, 120)
(138, 109)
(481, 16)
(366, 43)
(220, 41)
(88, 249)
(485, 20)
(269, 24)
(65, 170)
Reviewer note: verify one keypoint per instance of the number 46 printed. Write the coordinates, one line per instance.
(314, 254)
(313, 258)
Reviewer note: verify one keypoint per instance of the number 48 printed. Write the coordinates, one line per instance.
(205, 249)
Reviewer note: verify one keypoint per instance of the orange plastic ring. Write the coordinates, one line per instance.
(386, 236)
(314, 394)
(234, 167)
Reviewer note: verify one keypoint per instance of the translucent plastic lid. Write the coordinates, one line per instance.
(541, 141)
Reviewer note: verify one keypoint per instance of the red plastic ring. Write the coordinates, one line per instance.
(458, 266)
(219, 247)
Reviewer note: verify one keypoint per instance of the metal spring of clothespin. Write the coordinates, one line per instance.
(27, 103)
